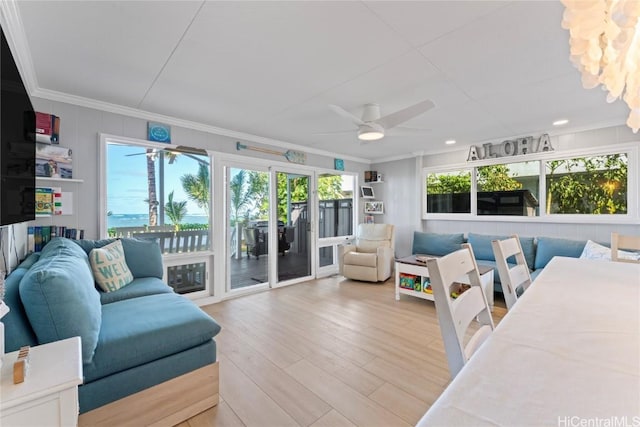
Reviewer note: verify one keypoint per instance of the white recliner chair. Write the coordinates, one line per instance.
(371, 258)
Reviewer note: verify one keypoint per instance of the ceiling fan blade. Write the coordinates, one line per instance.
(405, 131)
(347, 115)
(338, 132)
(401, 116)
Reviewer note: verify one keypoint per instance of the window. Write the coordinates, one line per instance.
(596, 184)
(449, 192)
(335, 197)
(508, 189)
(587, 185)
(162, 194)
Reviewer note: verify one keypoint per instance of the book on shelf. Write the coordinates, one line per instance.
(47, 128)
(39, 236)
(37, 239)
(30, 239)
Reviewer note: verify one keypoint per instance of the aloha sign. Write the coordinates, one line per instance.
(510, 147)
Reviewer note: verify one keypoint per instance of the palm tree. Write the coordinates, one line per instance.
(241, 197)
(175, 211)
(197, 186)
(151, 183)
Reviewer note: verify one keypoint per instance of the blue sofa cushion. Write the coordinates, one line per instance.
(483, 250)
(138, 288)
(548, 247)
(60, 298)
(17, 331)
(141, 330)
(88, 245)
(143, 256)
(436, 244)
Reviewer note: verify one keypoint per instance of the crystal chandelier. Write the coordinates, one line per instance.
(605, 47)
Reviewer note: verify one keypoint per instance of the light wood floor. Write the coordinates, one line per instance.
(330, 352)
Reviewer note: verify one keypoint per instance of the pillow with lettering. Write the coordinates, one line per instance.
(109, 267)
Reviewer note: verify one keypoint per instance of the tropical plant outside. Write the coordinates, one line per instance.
(197, 186)
(151, 184)
(175, 211)
(587, 185)
(496, 178)
(449, 183)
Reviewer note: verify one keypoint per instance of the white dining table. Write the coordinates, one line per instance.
(567, 354)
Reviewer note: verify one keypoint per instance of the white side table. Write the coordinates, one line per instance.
(49, 394)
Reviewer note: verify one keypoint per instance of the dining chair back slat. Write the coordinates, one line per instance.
(620, 241)
(512, 277)
(456, 315)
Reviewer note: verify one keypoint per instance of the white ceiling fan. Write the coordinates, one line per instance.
(372, 127)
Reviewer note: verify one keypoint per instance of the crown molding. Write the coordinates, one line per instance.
(17, 40)
(174, 121)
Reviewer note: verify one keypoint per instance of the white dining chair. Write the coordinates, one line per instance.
(455, 315)
(512, 277)
(620, 241)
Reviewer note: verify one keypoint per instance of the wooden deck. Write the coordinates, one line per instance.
(251, 271)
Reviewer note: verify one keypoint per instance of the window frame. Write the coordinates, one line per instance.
(168, 259)
(633, 187)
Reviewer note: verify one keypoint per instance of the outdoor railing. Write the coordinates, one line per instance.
(170, 241)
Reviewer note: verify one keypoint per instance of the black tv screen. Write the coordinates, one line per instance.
(17, 144)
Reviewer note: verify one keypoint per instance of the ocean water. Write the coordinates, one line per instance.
(137, 220)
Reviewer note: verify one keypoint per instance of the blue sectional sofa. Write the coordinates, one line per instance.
(537, 251)
(135, 338)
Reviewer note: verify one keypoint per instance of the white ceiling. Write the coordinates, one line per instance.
(493, 69)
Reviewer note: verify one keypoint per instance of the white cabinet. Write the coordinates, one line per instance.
(49, 394)
(410, 266)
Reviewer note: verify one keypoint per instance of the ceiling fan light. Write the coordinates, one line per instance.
(370, 135)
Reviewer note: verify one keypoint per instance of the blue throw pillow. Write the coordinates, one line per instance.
(59, 296)
(436, 244)
(143, 256)
(548, 247)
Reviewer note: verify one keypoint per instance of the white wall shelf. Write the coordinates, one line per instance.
(44, 178)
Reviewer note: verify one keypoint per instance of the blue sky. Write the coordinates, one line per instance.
(127, 180)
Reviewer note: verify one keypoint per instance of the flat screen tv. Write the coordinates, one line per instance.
(17, 144)
(367, 192)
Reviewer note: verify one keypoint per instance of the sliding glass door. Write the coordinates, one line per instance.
(247, 225)
(293, 232)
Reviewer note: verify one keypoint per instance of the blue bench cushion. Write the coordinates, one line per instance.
(60, 298)
(138, 288)
(143, 256)
(548, 247)
(436, 244)
(481, 244)
(141, 330)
